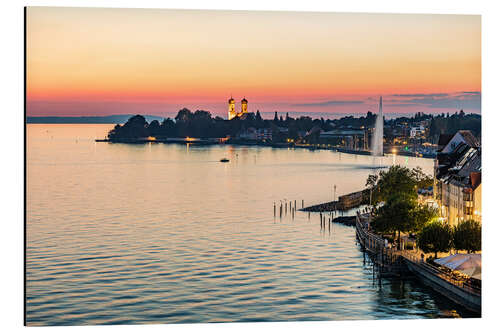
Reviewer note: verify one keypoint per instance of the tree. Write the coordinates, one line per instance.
(396, 180)
(467, 236)
(435, 237)
(258, 119)
(371, 182)
(168, 128)
(423, 214)
(114, 132)
(184, 115)
(396, 215)
(135, 127)
(422, 180)
(402, 213)
(154, 128)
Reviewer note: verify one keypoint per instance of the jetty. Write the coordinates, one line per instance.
(396, 262)
(345, 202)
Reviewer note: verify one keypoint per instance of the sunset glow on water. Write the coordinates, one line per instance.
(156, 233)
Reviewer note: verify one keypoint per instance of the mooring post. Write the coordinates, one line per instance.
(274, 206)
(302, 203)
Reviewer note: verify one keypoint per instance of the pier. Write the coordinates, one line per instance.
(394, 262)
(345, 202)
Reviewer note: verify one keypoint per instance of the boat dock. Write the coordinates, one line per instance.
(395, 262)
(345, 202)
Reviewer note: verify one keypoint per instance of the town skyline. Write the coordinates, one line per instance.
(125, 61)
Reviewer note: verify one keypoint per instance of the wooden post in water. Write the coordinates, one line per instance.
(294, 204)
(302, 203)
(274, 206)
(285, 207)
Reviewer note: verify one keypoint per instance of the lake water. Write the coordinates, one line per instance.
(156, 233)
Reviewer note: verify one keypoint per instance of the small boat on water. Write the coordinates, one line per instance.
(224, 160)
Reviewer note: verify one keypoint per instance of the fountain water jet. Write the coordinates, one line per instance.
(378, 137)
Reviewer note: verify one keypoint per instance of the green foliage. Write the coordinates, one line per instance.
(442, 124)
(422, 180)
(467, 236)
(395, 215)
(201, 124)
(135, 127)
(422, 215)
(402, 213)
(435, 237)
(371, 181)
(396, 181)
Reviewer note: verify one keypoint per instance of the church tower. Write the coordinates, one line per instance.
(231, 112)
(244, 106)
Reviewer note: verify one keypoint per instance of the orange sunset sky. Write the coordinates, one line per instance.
(96, 61)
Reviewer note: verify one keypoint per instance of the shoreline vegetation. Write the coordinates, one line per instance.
(397, 210)
(408, 136)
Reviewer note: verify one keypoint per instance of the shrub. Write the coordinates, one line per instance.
(467, 236)
(435, 237)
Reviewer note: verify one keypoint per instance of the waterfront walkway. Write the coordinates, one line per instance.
(391, 261)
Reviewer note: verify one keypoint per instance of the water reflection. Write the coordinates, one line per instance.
(165, 233)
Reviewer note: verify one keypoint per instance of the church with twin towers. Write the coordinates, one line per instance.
(231, 113)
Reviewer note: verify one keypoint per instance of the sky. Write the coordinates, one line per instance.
(102, 61)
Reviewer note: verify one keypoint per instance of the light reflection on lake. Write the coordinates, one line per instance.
(157, 233)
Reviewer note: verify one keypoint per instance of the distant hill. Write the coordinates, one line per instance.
(112, 119)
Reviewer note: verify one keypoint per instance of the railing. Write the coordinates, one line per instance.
(376, 244)
(447, 276)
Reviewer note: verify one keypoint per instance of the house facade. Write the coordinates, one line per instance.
(457, 178)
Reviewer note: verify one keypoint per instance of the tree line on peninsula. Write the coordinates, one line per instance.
(201, 124)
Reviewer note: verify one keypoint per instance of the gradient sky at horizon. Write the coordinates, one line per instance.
(101, 61)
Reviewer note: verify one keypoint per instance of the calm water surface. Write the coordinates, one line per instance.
(155, 233)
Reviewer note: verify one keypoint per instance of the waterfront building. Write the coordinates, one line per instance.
(461, 137)
(457, 175)
(353, 139)
(232, 108)
(256, 134)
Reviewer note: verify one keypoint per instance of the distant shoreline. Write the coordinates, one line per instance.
(111, 120)
(205, 142)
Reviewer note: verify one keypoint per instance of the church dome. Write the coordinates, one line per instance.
(244, 100)
(231, 100)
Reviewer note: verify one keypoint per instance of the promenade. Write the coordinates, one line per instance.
(395, 262)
